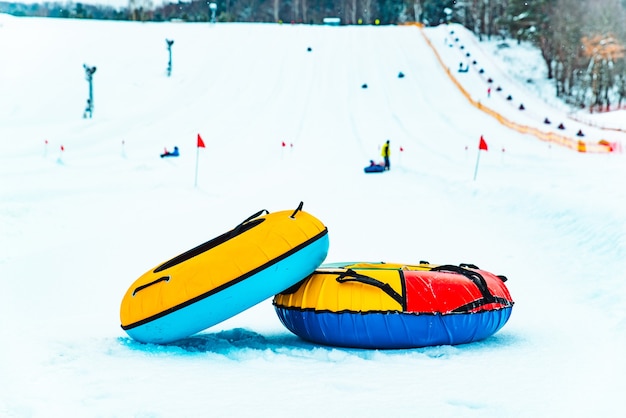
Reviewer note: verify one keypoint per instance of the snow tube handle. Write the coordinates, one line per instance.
(468, 265)
(298, 209)
(242, 227)
(474, 276)
(251, 217)
(237, 229)
(480, 283)
(160, 279)
(473, 266)
(352, 276)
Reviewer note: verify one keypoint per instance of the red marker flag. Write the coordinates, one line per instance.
(283, 144)
(200, 142)
(482, 145)
(200, 145)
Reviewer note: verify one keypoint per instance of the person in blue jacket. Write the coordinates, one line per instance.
(385, 153)
(174, 153)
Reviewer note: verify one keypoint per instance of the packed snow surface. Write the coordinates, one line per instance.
(87, 206)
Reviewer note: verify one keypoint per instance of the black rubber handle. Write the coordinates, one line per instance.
(298, 209)
(352, 276)
(160, 279)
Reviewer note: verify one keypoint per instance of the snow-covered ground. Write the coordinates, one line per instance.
(79, 225)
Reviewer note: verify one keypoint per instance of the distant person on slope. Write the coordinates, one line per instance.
(174, 153)
(385, 153)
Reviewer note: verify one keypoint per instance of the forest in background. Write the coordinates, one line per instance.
(581, 41)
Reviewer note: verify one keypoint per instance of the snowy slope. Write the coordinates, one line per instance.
(80, 225)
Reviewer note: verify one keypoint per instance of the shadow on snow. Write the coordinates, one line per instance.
(238, 343)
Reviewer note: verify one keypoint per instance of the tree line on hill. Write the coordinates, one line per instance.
(581, 41)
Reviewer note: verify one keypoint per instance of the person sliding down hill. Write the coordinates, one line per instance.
(174, 153)
(374, 167)
(385, 153)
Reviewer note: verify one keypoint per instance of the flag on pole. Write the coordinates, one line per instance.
(60, 158)
(482, 146)
(200, 142)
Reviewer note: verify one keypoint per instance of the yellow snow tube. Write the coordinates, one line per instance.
(262, 256)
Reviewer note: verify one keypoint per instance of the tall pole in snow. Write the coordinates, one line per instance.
(482, 146)
(169, 42)
(476, 168)
(195, 183)
(200, 144)
(89, 71)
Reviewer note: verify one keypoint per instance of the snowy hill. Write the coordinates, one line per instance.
(80, 224)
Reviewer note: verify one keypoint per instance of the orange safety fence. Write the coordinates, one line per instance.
(601, 146)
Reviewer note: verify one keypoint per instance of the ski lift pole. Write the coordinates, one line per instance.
(169, 42)
(89, 71)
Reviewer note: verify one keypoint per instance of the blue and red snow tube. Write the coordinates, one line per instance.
(374, 168)
(380, 305)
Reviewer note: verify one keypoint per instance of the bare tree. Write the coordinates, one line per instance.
(295, 9)
(566, 34)
(367, 11)
(418, 8)
(276, 10)
(140, 9)
(603, 49)
(350, 11)
(305, 10)
(132, 9)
